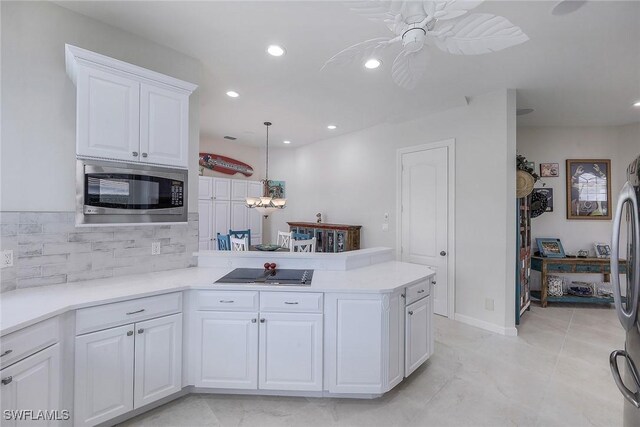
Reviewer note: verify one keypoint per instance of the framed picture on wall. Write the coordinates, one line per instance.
(549, 170)
(548, 193)
(550, 247)
(589, 189)
(603, 250)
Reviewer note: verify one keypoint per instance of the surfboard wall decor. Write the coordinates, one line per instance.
(225, 165)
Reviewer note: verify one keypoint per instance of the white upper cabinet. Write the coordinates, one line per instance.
(164, 125)
(107, 115)
(239, 190)
(205, 188)
(125, 112)
(221, 188)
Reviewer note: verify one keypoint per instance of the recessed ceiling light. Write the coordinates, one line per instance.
(275, 50)
(286, 142)
(332, 127)
(233, 94)
(637, 104)
(372, 63)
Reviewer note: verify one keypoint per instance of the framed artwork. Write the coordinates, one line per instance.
(276, 189)
(548, 193)
(551, 248)
(549, 169)
(603, 250)
(589, 189)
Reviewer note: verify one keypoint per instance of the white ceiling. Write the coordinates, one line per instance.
(581, 69)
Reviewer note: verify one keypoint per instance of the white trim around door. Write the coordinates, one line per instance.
(450, 145)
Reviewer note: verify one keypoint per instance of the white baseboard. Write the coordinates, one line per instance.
(510, 332)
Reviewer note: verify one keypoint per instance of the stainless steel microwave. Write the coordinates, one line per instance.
(126, 193)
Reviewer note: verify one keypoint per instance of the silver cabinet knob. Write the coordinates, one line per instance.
(4, 353)
(262, 320)
(254, 320)
(129, 333)
(7, 380)
(141, 330)
(134, 154)
(443, 253)
(411, 313)
(144, 154)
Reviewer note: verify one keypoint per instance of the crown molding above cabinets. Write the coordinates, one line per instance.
(128, 113)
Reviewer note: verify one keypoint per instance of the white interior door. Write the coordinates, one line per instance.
(424, 227)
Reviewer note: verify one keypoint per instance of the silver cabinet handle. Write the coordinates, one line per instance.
(254, 320)
(291, 302)
(410, 313)
(230, 301)
(129, 333)
(144, 154)
(443, 253)
(135, 312)
(632, 397)
(262, 320)
(403, 295)
(141, 330)
(421, 291)
(7, 380)
(627, 317)
(134, 154)
(6, 352)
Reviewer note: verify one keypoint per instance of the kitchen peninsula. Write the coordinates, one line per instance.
(361, 326)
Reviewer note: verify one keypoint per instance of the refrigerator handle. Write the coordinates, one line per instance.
(627, 318)
(632, 397)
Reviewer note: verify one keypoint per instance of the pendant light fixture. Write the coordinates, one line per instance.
(267, 203)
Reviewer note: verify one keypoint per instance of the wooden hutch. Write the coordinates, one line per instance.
(330, 237)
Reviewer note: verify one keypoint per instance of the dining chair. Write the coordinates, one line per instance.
(223, 242)
(284, 239)
(240, 234)
(308, 245)
(239, 244)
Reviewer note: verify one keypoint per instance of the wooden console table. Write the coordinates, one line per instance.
(330, 237)
(562, 266)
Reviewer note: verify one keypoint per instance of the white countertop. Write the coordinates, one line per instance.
(24, 307)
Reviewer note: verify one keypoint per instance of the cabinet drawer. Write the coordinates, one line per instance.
(417, 291)
(291, 301)
(120, 313)
(589, 268)
(20, 344)
(563, 268)
(226, 300)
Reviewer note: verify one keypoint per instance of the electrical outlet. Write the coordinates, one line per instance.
(488, 304)
(155, 248)
(7, 259)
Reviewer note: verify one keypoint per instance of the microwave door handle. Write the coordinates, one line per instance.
(627, 317)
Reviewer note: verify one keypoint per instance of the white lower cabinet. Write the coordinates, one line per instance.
(290, 351)
(226, 349)
(418, 333)
(126, 367)
(32, 384)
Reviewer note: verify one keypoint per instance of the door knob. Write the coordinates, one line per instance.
(443, 253)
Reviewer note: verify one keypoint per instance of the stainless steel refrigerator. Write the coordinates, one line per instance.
(627, 217)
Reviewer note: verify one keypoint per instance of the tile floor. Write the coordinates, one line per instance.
(555, 373)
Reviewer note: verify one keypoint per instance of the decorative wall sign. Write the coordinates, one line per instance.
(589, 189)
(276, 189)
(538, 204)
(548, 194)
(225, 165)
(549, 169)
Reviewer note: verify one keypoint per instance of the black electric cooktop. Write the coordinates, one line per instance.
(260, 276)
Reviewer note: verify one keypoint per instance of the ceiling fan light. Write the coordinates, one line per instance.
(372, 63)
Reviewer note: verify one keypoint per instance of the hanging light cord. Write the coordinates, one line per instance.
(266, 174)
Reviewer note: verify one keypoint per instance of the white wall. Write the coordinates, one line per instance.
(253, 156)
(38, 100)
(352, 179)
(557, 144)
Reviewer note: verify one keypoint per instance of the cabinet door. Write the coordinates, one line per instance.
(158, 359)
(221, 219)
(164, 126)
(417, 334)
(226, 349)
(103, 375)
(205, 187)
(396, 339)
(221, 189)
(239, 216)
(239, 190)
(108, 115)
(290, 351)
(205, 225)
(32, 384)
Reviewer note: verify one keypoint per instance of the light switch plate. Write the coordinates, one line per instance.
(7, 259)
(385, 227)
(155, 248)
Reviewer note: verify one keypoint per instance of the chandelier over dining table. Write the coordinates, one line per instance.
(267, 203)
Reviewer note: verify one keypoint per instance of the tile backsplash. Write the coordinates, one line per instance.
(49, 249)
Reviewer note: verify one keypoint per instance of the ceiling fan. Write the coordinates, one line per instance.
(443, 24)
